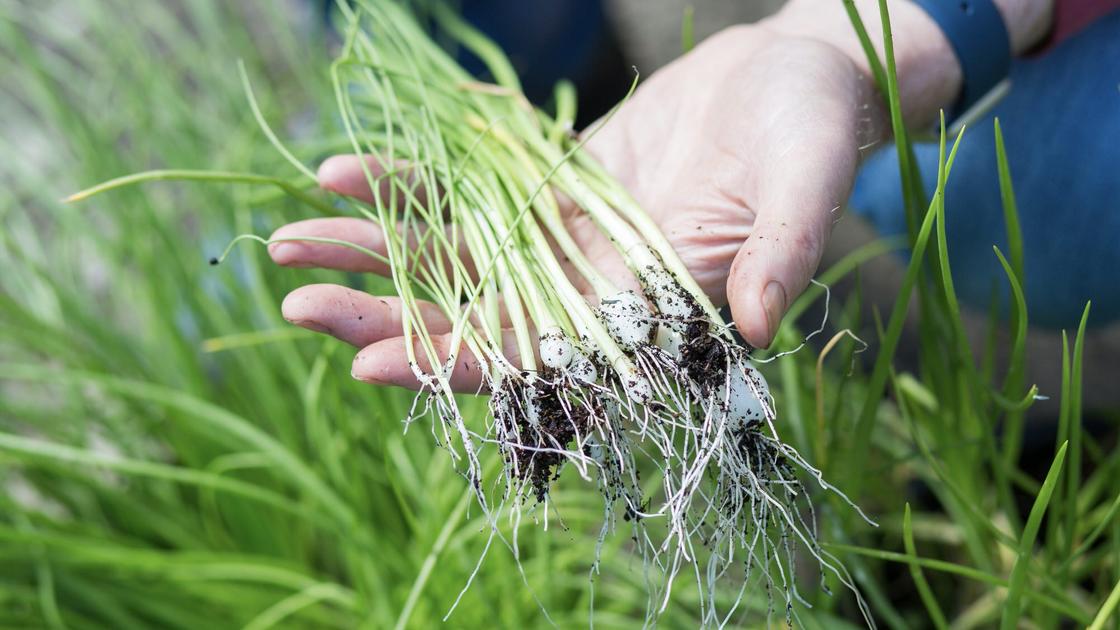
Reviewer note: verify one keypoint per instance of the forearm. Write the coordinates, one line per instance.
(928, 71)
(1028, 22)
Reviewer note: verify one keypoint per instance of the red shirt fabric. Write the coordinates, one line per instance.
(1070, 16)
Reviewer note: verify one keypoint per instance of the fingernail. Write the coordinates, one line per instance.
(281, 253)
(289, 255)
(774, 303)
(311, 325)
(366, 378)
(363, 373)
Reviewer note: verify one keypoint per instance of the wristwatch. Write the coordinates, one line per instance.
(979, 39)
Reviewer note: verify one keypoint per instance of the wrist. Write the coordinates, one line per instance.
(1028, 22)
(929, 74)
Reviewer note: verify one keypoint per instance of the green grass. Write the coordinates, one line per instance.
(173, 455)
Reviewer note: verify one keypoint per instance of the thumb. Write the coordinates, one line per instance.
(772, 268)
(778, 259)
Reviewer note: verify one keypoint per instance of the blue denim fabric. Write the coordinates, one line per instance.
(1061, 127)
(546, 40)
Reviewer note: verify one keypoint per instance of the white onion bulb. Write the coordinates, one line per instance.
(628, 319)
(583, 369)
(745, 408)
(556, 349)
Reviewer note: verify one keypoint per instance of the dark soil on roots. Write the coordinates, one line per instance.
(557, 426)
(703, 357)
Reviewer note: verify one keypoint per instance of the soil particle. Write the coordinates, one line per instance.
(631, 515)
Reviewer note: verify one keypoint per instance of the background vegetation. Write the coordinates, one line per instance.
(172, 454)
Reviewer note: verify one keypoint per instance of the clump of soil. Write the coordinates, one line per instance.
(556, 426)
(703, 357)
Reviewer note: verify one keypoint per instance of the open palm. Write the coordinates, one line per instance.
(742, 151)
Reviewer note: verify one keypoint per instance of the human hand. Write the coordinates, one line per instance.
(742, 151)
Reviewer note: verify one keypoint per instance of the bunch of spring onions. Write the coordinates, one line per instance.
(466, 193)
(607, 385)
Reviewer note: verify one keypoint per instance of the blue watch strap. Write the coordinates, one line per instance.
(979, 38)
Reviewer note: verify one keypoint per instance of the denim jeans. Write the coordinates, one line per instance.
(1061, 127)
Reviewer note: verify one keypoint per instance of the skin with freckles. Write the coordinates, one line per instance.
(742, 151)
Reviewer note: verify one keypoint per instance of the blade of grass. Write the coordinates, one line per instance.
(1073, 419)
(688, 29)
(1069, 610)
(292, 604)
(1092, 536)
(818, 390)
(259, 116)
(1022, 404)
(924, 591)
(43, 450)
(908, 169)
(1013, 382)
(1108, 609)
(188, 175)
(1017, 584)
(966, 511)
(865, 422)
(430, 561)
(1010, 207)
(963, 361)
(217, 418)
(1063, 547)
(236, 341)
(877, 71)
(44, 579)
(1017, 366)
